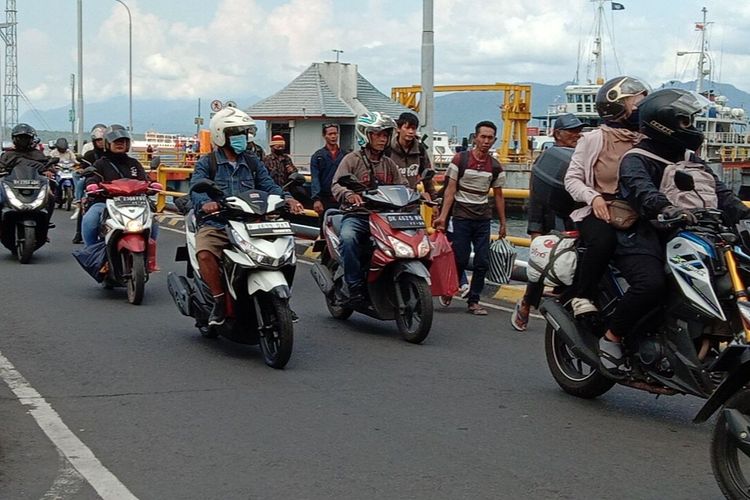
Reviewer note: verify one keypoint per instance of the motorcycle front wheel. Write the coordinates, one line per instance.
(730, 458)
(570, 372)
(26, 243)
(276, 331)
(136, 283)
(415, 320)
(68, 197)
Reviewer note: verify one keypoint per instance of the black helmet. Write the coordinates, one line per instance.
(666, 116)
(115, 132)
(611, 96)
(61, 144)
(23, 136)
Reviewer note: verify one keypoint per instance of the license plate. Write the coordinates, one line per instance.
(269, 228)
(405, 221)
(26, 183)
(130, 200)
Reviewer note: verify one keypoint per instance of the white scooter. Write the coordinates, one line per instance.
(258, 268)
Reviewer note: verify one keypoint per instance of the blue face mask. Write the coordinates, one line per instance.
(238, 143)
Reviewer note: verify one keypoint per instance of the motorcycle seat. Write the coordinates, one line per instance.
(334, 218)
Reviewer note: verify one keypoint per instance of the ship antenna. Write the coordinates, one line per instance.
(598, 43)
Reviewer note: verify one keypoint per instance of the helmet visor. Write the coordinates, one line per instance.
(626, 87)
(690, 104)
(115, 134)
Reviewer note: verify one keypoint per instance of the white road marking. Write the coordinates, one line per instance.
(80, 457)
(67, 483)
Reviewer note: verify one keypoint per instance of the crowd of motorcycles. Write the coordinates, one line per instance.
(696, 342)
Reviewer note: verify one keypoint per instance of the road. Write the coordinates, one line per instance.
(358, 413)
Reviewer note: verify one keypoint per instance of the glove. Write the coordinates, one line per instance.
(673, 212)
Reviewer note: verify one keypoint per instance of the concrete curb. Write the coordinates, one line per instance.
(506, 295)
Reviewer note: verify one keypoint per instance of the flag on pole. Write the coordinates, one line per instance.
(699, 26)
(617, 6)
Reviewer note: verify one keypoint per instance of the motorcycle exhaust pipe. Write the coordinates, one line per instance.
(582, 345)
(322, 277)
(179, 289)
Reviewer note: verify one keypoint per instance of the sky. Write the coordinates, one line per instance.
(233, 49)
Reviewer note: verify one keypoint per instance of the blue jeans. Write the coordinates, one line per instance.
(91, 224)
(468, 232)
(354, 248)
(80, 185)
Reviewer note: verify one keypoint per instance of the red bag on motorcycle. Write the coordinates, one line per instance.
(443, 272)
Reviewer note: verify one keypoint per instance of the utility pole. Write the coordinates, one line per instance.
(428, 74)
(198, 120)
(80, 76)
(10, 96)
(72, 113)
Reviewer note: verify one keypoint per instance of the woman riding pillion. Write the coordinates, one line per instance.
(114, 164)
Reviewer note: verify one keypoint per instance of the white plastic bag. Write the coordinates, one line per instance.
(552, 257)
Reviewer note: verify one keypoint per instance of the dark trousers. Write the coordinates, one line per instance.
(534, 292)
(600, 241)
(645, 275)
(468, 232)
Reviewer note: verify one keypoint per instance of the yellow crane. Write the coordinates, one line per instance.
(515, 113)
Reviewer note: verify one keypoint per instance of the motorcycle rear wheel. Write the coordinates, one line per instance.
(68, 197)
(276, 331)
(415, 321)
(730, 459)
(27, 246)
(136, 284)
(571, 373)
(337, 311)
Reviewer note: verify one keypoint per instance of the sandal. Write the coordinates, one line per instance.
(476, 310)
(445, 300)
(519, 320)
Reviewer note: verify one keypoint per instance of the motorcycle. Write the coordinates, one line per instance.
(126, 230)
(697, 342)
(24, 219)
(398, 281)
(65, 184)
(258, 268)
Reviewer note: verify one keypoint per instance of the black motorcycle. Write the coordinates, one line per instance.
(24, 219)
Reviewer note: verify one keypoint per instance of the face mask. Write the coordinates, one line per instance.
(238, 143)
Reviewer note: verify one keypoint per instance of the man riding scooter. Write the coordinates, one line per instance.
(372, 168)
(234, 172)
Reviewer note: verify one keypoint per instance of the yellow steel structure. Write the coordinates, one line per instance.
(515, 113)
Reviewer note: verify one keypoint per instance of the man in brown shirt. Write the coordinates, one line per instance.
(371, 167)
(278, 163)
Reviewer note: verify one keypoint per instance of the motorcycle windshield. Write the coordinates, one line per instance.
(25, 176)
(125, 187)
(256, 202)
(395, 196)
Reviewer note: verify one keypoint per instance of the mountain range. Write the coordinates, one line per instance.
(459, 109)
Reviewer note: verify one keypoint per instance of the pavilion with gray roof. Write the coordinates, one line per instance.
(327, 92)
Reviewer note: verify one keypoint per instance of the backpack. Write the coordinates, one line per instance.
(704, 194)
(463, 164)
(185, 203)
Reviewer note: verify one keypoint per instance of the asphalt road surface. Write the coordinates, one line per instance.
(357, 414)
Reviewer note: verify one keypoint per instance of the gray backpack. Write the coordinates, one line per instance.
(704, 194)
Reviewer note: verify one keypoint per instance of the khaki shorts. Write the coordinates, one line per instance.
(211, 239)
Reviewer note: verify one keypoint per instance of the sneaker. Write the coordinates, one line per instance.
(51, 225)
(519, 320)
(612, 358)
(77, 240)
(218, 312)
(295, 318)
(463, 291)
(582, 306)
(75, 214)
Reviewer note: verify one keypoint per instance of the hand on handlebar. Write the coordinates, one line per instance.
(354, 199)
(672, 212)
(210, 207)
(294, 206)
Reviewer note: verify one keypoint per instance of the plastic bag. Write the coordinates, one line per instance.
(443, 272)
(92, 259)
(552, 258)
(502, 260)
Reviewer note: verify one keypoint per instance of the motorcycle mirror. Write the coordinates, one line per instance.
(684, 181)
(351, 182)
(428, 175)
(207, 186)
(297, 179)
(88, 171)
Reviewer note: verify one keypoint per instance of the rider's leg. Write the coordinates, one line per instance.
(600, 240)
(209, 243)
(355, 232)
(90, 223)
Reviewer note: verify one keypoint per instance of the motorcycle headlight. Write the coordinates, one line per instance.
(251, 250)
(40, 199)
(134, 226)
(401, 249)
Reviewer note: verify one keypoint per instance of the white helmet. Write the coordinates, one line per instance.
(372, 122)
(230, 121)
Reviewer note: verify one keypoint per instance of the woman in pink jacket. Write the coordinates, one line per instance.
(592, 179)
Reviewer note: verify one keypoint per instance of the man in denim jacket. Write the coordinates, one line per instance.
(234, 174)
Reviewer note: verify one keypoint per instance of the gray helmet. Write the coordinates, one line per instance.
(61, 143)
(115, 132)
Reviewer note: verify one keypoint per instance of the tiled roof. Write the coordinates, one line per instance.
(307, 95)
(375, 100)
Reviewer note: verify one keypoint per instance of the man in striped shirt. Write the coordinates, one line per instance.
(469, 178)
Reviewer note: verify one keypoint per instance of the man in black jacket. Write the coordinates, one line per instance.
(115, 164)
(25, 152)
(666, 117)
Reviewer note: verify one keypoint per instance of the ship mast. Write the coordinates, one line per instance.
(702, 56)
(597, 52)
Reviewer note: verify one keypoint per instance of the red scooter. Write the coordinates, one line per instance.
(398, 280)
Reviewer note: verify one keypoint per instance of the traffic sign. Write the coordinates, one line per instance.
(216, 105)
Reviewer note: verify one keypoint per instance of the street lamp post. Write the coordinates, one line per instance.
(130, 66)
